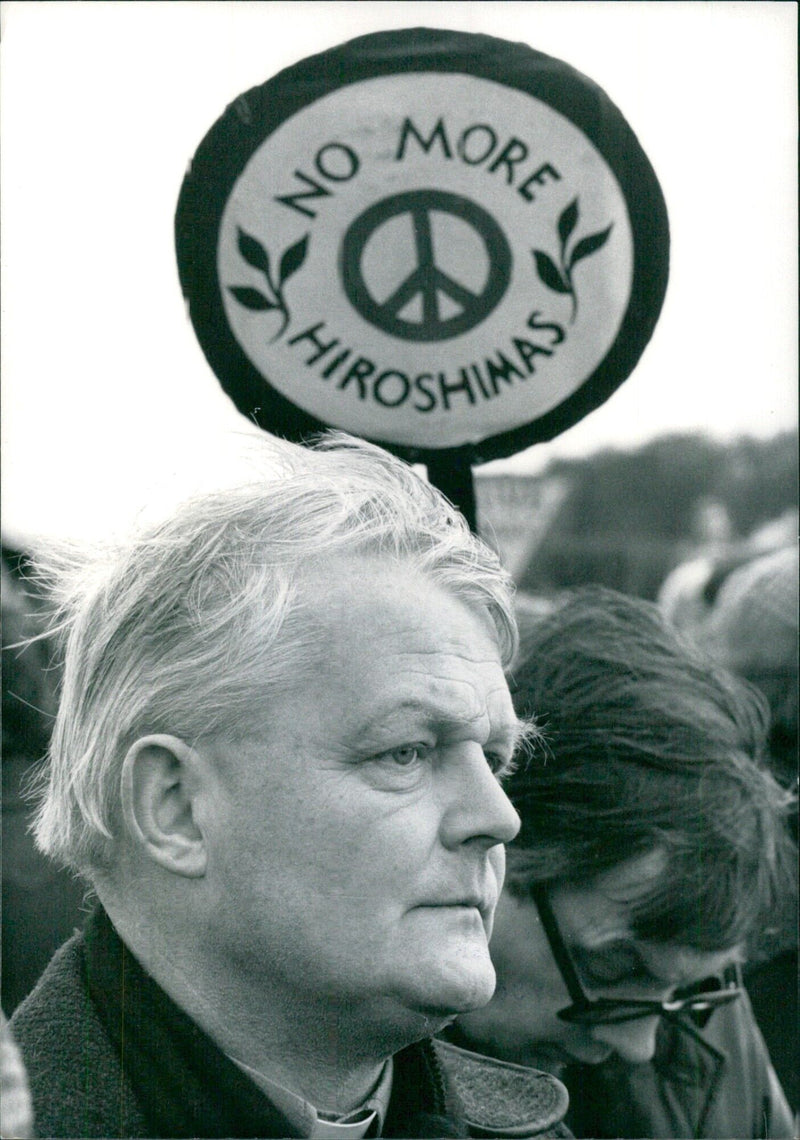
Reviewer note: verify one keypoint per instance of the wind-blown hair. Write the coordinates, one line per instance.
(190, 626)
(647, 745)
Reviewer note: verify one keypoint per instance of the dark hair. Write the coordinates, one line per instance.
(647, 744)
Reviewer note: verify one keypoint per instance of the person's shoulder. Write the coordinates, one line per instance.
(16, 1114)
(503, 1099)
(58, 990)
(733, 1030)
(748, 1080)
(76, 1082)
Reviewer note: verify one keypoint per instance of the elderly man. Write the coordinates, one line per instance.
(653, 840)
(277, 759)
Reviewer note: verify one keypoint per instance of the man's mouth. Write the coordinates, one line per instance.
(470, 902)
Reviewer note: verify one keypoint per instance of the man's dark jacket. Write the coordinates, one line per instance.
(109, 1054)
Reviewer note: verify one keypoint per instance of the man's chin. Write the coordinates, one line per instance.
(593, 1053)
(450, 990)
(445, 968)
(552, 1057)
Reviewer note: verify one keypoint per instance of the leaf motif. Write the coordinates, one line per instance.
(292, 259)
(568, 221)
(251, 298)
(253, 252)
(549, 273)
(589, 244)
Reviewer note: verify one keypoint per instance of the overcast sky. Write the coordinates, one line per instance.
(107, 398)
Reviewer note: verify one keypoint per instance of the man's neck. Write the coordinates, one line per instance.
(328, 1054)
(312, 1120)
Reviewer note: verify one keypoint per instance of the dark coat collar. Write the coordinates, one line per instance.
(185, 1086)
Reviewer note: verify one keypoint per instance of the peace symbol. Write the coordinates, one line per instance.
(427, 281)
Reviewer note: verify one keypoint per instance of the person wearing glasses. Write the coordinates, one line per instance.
(653, 842)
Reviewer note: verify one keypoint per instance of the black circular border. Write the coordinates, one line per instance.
(251, 118)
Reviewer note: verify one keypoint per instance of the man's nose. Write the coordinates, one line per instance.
(635, 1041)
(476, 806)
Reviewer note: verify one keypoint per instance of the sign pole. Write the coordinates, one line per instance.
(451, 473)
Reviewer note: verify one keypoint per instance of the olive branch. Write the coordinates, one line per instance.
(257, 256)
(559, 277)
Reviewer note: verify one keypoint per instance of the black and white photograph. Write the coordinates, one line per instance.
(399, 569)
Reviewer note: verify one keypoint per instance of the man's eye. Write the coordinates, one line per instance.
(406, 755)
(613, 967)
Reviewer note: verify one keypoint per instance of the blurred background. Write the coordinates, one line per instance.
(686, 475)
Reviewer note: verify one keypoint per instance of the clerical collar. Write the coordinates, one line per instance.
(317, 1125)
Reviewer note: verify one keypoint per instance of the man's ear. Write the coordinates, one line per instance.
(160, 778)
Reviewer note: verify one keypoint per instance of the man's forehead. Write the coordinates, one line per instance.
(449, 708)
(376, 600)
(393, 643)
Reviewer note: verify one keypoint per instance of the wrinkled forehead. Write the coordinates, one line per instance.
(377, 596)
(394, 639)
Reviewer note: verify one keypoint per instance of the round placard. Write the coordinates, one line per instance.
(439, 241)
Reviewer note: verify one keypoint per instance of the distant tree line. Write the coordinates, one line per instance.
(631, 516)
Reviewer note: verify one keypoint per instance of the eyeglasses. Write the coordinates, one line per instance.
(699, 1004)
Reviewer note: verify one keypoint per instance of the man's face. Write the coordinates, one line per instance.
(354, 849)
(521, 1023)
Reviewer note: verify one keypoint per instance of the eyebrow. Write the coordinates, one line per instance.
(513, 731)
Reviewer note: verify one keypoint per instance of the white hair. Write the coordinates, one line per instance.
(189, 625)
